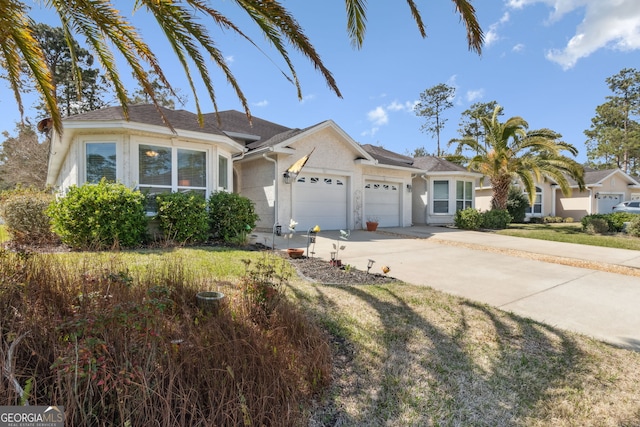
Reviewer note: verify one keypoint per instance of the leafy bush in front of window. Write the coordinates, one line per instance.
(183, 217)
(496, 219)
(468, 219)
(25, 215)
(517, 204)
(231, 215)
(100, 216)
(633, 229)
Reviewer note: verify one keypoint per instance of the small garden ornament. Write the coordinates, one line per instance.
(344, 235)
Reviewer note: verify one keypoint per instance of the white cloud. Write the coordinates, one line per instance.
(611, 24)
(491, 36)
(306, 98)
(262, 103)
(378, 116)
(518, 48)
(474, 95)
(229, 59)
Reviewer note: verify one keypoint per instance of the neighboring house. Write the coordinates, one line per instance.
(603, 190)
(440, 189)
(142, 152)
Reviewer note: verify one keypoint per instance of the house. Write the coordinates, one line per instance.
(341, 185)
(603, 190)
(440, 189)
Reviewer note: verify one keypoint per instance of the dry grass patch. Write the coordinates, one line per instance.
(417, 357)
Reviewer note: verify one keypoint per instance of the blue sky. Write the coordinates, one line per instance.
(543, 60)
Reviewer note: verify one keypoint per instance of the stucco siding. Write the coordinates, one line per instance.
(576, 206)
(257, 184)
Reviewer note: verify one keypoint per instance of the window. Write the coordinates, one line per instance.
(100, 162)
(223, 173)
(167, 169)
(536, 209)
(464, 195)
(441, 197)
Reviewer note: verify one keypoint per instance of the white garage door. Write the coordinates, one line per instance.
(607, 201)
(320, 200)
(382, 200)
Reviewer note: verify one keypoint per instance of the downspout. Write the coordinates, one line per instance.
(275, 186)
(426, 215)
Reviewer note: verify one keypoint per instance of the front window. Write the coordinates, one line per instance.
(100, 162)
(464, 195)
(441, 197)
(536, 208)
(167, 169)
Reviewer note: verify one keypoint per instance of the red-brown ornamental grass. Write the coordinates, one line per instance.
(122, 348)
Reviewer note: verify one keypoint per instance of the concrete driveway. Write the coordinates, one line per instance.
(495, 270)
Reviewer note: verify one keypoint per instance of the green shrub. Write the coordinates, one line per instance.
(468, 219)
(552, 219)
(633, 229)
(100, 216)
(183, 217)
(568, 219)
(231, 216)
(25, 215)
(496, 219)
(595, 224)
(617, 220)
(517, 204)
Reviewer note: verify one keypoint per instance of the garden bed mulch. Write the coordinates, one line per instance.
(320, 271)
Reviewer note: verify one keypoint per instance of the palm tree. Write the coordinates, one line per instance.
(186, 31)
(510, 151)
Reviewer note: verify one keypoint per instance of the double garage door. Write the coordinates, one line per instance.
(382, 201)
(320, 200)
(323, 200)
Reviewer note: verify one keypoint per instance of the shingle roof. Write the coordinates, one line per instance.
(387, 157)
(236, 121)
(437, 164)
(593, 176)
(148, 114)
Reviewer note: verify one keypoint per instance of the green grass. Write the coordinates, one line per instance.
(570, 233)
(4, 236)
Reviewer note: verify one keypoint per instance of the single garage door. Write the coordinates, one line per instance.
(382, 200)
(320, 200)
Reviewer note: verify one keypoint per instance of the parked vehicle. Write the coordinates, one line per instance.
(631, 206)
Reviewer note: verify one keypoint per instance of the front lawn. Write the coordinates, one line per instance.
(570, 233)
(118, 340)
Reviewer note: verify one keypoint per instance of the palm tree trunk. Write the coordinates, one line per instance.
(500, 187)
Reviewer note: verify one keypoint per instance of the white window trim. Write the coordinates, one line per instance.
(82, 155)
(533, 214)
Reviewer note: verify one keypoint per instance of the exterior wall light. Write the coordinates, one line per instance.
(289, 177)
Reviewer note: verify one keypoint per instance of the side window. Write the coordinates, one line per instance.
(100, 158)
(223, 173)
